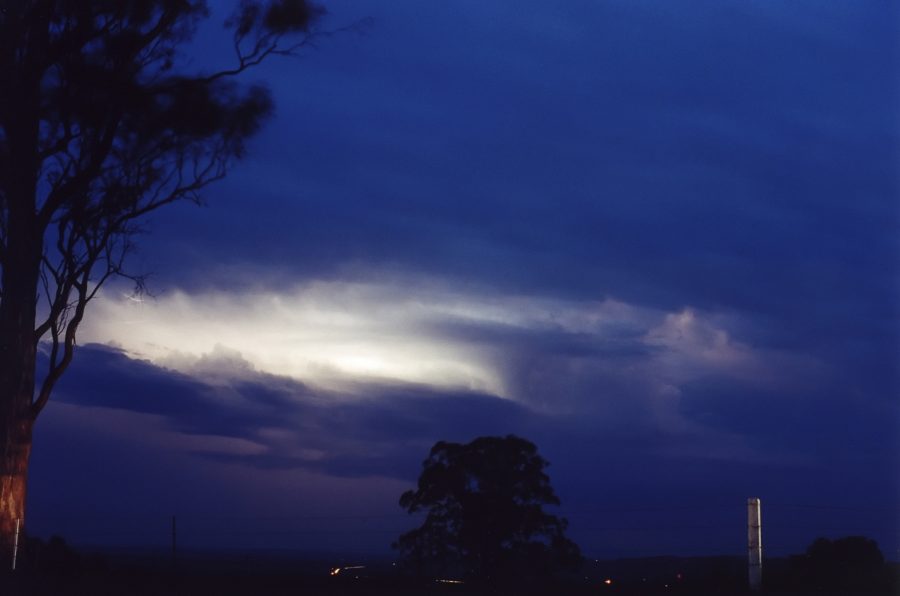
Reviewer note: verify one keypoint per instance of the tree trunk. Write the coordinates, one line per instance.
(17, 380)
(18, 358)
(21, 267)
(13, 483)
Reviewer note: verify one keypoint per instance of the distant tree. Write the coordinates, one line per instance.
(852, 564)
(484, 504)
(100, 124)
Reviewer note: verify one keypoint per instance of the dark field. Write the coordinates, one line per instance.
(275, 574)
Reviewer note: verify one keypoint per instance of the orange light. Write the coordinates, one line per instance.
(608, 582)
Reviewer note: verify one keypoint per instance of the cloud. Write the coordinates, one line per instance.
(267, 421)
(233, 438)
(648, 237)
(319, 331)
(578, 155)
(455, 362)
(554, 354)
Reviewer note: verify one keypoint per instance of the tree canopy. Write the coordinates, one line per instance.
(848, 564)
(101, 123)
(484, 504)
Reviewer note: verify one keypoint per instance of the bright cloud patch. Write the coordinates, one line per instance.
(540, 351)
(325, 333)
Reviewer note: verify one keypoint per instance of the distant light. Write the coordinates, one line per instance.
(608, 582)
(449, 581)
(678, 576)
(337, 570)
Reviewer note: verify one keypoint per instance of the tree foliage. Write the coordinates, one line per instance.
(101, 123)
(99, 126)
(484, 512)
(853, 564)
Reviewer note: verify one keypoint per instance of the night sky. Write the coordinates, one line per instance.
(659, 239)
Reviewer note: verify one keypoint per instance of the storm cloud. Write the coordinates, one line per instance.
(659, 240)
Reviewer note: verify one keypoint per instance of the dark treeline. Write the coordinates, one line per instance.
(852, 565)
(485, 530)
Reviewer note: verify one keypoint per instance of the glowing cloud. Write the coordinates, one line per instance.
(336, 334)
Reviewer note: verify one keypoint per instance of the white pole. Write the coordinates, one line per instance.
(16, 545)
(754, 543)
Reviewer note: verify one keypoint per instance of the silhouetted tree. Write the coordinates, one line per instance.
(852, 564)
(100, 125)
(484, 503)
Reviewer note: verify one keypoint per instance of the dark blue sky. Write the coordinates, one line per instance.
(659, 239)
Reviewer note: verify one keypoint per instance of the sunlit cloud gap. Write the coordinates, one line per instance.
(334, 333)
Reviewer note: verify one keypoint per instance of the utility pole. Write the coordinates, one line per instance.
(754, 543)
